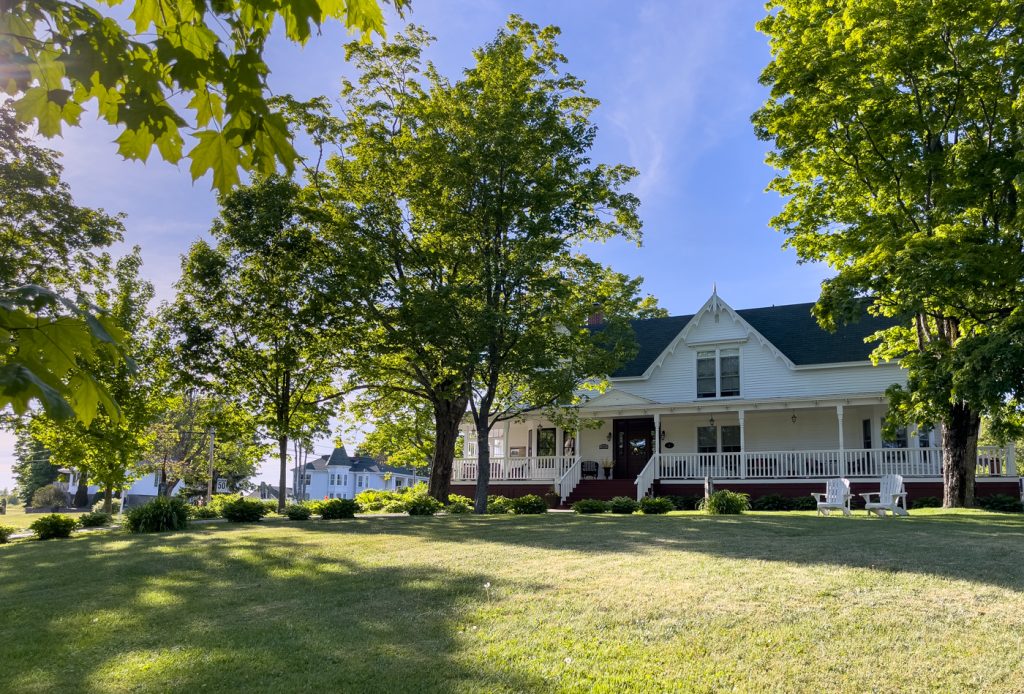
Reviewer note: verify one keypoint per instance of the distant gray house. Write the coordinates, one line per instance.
(268, 492)
(341, 476)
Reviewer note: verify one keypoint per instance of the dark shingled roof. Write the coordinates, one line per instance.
(792, 329)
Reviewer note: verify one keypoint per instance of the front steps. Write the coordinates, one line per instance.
(602, 489)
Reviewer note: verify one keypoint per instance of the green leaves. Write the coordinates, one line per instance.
(214, 152)
(897, 135)
(210, 52)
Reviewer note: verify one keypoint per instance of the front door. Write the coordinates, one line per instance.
(634, 446)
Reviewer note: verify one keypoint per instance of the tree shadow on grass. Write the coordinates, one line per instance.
(211, 610)
(986, 549)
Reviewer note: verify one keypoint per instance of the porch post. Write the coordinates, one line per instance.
(842, 447)
(1011, 460)
(559, 449)
(505, 426)
(657, 433)
(743, 443)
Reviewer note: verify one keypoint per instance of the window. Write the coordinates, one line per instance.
(866, 430)
(729, 363)
(707, 439)
(344, 480)
(359, 481)
(307, 479)
(730, 439)
(718, 373)
(706, 387)
(545, 442)
(897, 441)
(924, 437)
(398, 482)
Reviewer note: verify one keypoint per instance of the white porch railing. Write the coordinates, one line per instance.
(568, 481)
(874, 462)
(540, 468)
(645, 480)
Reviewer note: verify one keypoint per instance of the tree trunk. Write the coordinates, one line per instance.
(447, 418)
(959, 455)
(282, 492)
(82, 491)
(108, 503)
(483, 462)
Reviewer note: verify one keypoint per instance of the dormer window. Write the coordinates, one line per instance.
(718, 373)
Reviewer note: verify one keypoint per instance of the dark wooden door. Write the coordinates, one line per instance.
(634, 445)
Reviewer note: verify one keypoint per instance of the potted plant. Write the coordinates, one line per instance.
(607, 464)
(552, 499)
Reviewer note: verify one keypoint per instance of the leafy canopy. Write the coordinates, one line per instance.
(57, 56)
(896, 128)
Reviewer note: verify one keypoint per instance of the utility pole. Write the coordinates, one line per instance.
(209, 481)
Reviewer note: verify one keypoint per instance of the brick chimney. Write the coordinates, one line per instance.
(596, 316)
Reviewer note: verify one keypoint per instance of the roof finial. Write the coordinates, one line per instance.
(714, 287)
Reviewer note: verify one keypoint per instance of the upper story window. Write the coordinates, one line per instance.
(718, 373)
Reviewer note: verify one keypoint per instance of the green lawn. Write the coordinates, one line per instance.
(17, 518)
(599, 603)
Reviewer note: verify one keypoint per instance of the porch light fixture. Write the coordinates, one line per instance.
(609, 436)
(793, 418)
(711, 422)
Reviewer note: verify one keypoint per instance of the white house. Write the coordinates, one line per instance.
(143, 489)
(341, 476)
(760, 400)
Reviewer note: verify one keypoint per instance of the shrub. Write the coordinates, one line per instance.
(158, 515)
(269, 505)
(218, 501)
(372, 500)
(529, 504)
(53, 525)
(655, 505)
(115, 505)
(459, 504)
(623, 504)
(49, 497)
(1003, 503)
(332, 509)
(499, 504)
(202, 512)
(422, 505)
(684, 503)
(297, 512)
(590, 506)
(244, 510)
(771, 502)
(926, 502)
(396, 506)
(725, 502)
(95, 519)
(804, 503)
(5, 533)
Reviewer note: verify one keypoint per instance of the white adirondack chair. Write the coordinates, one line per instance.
(891, 496)
(835, 498)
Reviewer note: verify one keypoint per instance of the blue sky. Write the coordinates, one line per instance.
(677, 82)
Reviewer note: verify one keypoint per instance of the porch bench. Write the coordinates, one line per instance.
(589, 468)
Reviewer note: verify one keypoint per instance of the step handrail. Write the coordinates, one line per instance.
(568, 481)
(645, 480)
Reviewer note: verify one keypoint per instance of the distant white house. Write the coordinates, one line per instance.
(341, 476)
(142, 490)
